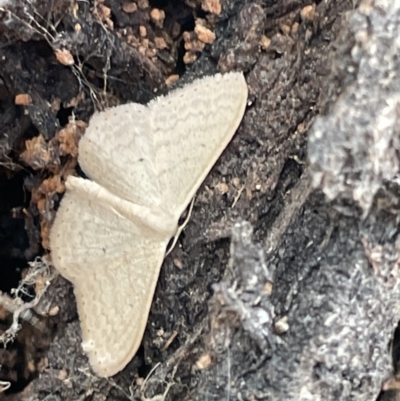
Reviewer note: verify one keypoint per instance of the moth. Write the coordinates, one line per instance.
(145, 164)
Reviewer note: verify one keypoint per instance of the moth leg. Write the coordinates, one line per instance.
(180, 228)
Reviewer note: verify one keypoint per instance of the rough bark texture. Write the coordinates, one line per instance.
(284, 285)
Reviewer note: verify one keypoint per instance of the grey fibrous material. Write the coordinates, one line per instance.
(110, 233)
